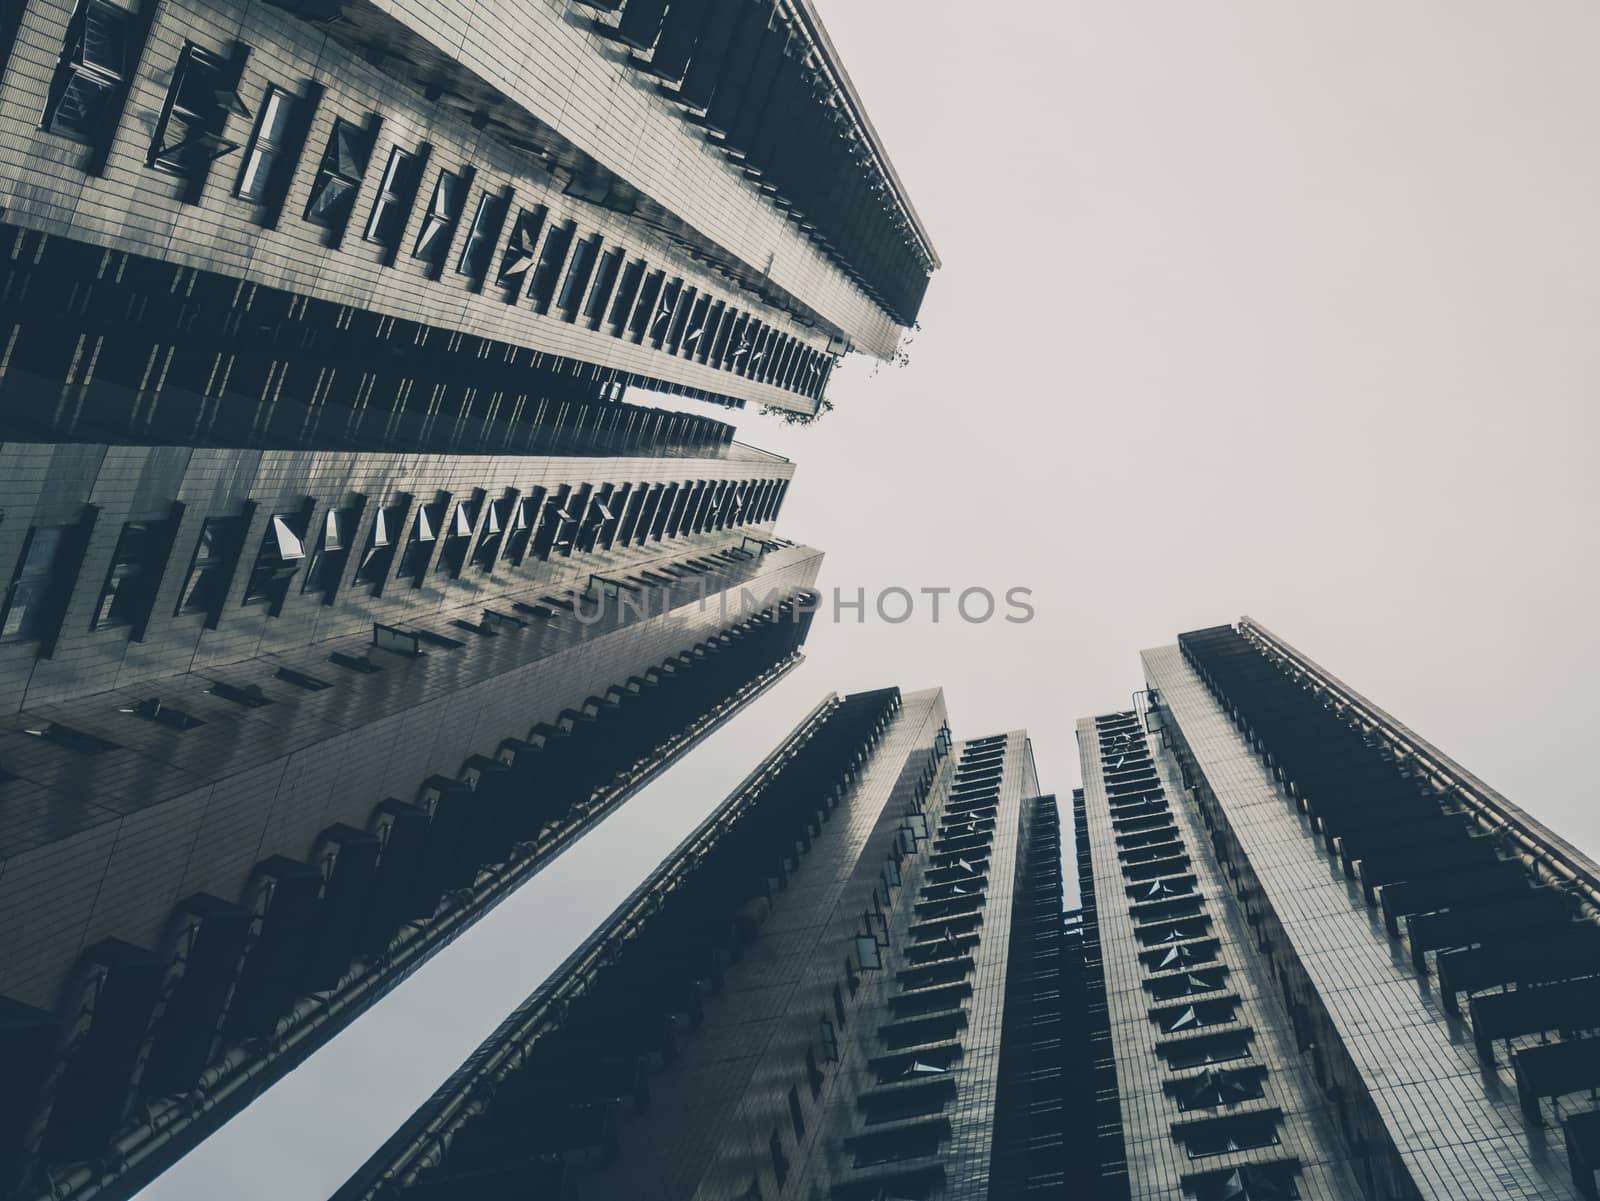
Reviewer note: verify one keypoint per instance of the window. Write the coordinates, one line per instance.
(868, 953)
(542, 287)
(344, 162)
(797, 1115)
(479, 248)
(780, 1165)
(395, 194)
(29, 592)
(1219, 1136)
(129, 590)
(89, 74)
(459, 537)
(333, 550)
(282, 548)
(838, 1005)
(249, 695)
(577, 281)
(605, 279)
(207, 582)
(444, 210)
(1216, 1088)
(1196, 1052)
(520, 527)
(265, 154)
(188, 137)
(495, 522)
(379, 554)
(301, 680)
(1207, 980)
(1179, 1018)
(1252, 1182)
(166, 715)
(73, 740)
(521, 247)
(813, 1074)
(829, 1039)
(419, 547)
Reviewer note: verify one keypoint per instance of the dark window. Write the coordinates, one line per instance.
(519, 530)
(1195, 1052)
(780, 1165)
(207, 582)
(344, 162)
(333, 550)
(813, 1074)
(129, 589)
(153, 710)
(1215, 1088)
(249, 695)
(1251, 1182)
(522, 247)
(605, 279)
(379, 554)
(90, 73)
(542, 288)
(479, 247)
(419, 546)
(458, 537)
(444, 210)
(830, 1041)
(282, 548)
(1179, 1018)
(578, 272)
(796, 1114)
(188, 137)
(838, 1005)
(73, 740)
(265, 155)
(496, 521)
(393, 205)
(31, 582)
(301, 680)
(1224, 1135)
(1205, 980)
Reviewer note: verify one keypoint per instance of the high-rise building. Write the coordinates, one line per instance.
(302, 222)
(345, 587)
(846, 983)
(1332, 962)
(271, 745)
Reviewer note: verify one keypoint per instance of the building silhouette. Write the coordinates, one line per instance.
(1331, 962)
(845, 983)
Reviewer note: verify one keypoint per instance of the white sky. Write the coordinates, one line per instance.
(1275, 307)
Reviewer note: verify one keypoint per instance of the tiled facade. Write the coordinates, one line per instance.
(1195, 1036)
(852, 969)
(402, 162)
(1388, 968)
(179, 771)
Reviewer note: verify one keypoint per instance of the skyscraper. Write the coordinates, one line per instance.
(845, 983)
(344, 586)
(1334, 962)
(299, 222)
(208, 872)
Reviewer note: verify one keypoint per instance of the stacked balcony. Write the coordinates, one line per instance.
(1201, 1038)
(1494, 931)
(155, 1030)
(903, 1128)
(548, 1092)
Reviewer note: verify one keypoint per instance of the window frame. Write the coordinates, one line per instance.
(273, 150)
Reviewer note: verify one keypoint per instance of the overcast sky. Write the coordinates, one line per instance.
(1277, 308)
